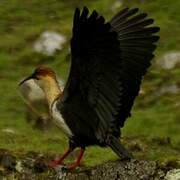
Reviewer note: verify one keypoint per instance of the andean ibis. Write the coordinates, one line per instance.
(109, 61)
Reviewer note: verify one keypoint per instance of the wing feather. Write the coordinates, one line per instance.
(137, 45)
(109, 60)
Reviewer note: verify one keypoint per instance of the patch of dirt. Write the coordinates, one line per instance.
(34, 166)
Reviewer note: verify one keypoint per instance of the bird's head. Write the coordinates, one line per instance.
(42, 75)
(45, 78)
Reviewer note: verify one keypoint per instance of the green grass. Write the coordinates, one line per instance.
(21, 23)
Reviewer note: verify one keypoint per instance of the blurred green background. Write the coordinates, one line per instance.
(153, 131)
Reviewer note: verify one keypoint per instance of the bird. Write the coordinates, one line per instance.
(108, 62)
(36, 107)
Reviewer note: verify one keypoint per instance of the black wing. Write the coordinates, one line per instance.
(136, 45)
(108, 62)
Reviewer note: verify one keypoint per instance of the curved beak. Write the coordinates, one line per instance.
(32, 76)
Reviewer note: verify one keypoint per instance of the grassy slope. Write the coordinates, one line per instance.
(21, 22)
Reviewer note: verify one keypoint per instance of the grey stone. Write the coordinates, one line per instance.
(49, 42)
(169, 60)
(173, 174)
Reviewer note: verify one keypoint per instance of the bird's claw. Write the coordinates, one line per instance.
(54, 163)
(72, 166)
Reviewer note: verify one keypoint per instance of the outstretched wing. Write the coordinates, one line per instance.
(137, 40)
(108, 62)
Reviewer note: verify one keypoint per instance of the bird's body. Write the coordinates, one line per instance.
(59, 120)
(109, 61)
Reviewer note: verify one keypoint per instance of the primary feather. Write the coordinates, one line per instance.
(109, 60)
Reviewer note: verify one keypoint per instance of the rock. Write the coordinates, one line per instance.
(49, 42)
(8, 130)
(19, 167)
(116, 5)
(118, 170)
(40, 164)
(170, 89)
(169, 60)
(173, 174)
(61, 173)
(34, 166)
(7, 161)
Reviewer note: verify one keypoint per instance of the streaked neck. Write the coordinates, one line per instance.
(52, 91)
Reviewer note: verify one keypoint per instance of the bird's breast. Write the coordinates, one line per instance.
(59, 120)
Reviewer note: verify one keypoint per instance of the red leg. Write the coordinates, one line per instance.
(61, 159)
(77, 163)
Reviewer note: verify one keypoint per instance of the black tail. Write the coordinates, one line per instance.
(118, 148)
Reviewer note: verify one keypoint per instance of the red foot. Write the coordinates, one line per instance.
(54, 163)
(77, 163)
(73, 166)
(60, 160)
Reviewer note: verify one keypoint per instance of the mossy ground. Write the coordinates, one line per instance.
(21, 23)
